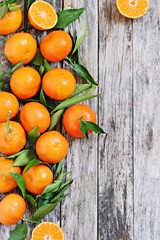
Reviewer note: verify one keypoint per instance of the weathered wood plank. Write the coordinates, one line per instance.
(79, 211)
(146, 60)
(115, 115)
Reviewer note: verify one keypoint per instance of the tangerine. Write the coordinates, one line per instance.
(47, 230)
(37, 178)
(12, 137)
(7, 183)
(12, 209)
(72, 116)
(58, 83)
(34, 114)
(20, 47)
(56, 46)
(11, 22)
(132, 8)
(25, 82)
(8, 105)
(51, 147)
(42, 15)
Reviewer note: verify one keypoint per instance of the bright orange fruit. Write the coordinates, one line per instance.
(20, 47)
(42, 15)
(7, 183)
(12, 137)
(8, 105)
(37, 178)
(12, 209)
(72, 116)
(51, 147)
(25, 82)
(11, 22)
(133, 8)
(56, 46)
(58, 83)
(47, 230)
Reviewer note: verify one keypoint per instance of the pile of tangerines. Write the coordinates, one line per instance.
(30, 110)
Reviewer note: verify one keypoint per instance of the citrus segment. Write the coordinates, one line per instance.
(133, 8)
(42, 15)
(11, 22)
(48, 231)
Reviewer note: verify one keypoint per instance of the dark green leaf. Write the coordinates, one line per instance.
(62, 190)
(1, 73)
(42, 98)
(30, 2)
(33, 134)
(18, 65)
(14, 7)
(94, 127)
(32, 163)
(83, 72)
(3, 10)
(11, 1)
(80, 88)
(55, 118)
(43, 211)
(31, 200)
(79, 57)
(66, 17)
(54, 186)
(80, 38)
(59, 168)
(20, 182)
(25, 157)
(38, 59)
(16, 154)
(72, 101)
(46, 65)
(19, 233)
(83, 128)
(41, 70)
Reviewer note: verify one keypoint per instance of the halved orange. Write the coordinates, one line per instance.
(133, 8)
(47, 231)
(42, 15)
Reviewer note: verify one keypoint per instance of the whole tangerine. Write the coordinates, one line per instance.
(20, 47)
(56, 46)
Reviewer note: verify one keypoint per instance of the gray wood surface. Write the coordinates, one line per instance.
(115, 194)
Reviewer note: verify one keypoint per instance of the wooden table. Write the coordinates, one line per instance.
(116, 193)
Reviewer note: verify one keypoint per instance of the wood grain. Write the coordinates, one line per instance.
(115, 115)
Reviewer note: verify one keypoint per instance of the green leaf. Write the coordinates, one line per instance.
(18, 65)
(94, 127)
(30, 2)
(1, 73)
(80, 88)
(46, 65)
(54, 186)
(20, 182)
(16, 154)
(83, 72)
(33, 135)
(11, 1)
(62, 190)
(79, 57)
(83, 128)
(80, 38)
(72, 101)
(38, 59)
(41, 70)
(32, 163)
(59, 168)
(14, 7)
(42, 98)
(19, 233)
(66, 17)
(3, 10)
(55, 118)
(43, 211)
(25, 157)
(31, 200)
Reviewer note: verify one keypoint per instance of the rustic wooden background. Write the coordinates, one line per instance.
(116, 193)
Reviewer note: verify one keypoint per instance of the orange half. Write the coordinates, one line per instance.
(47, 231)
(133, 8)
(42, 15)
